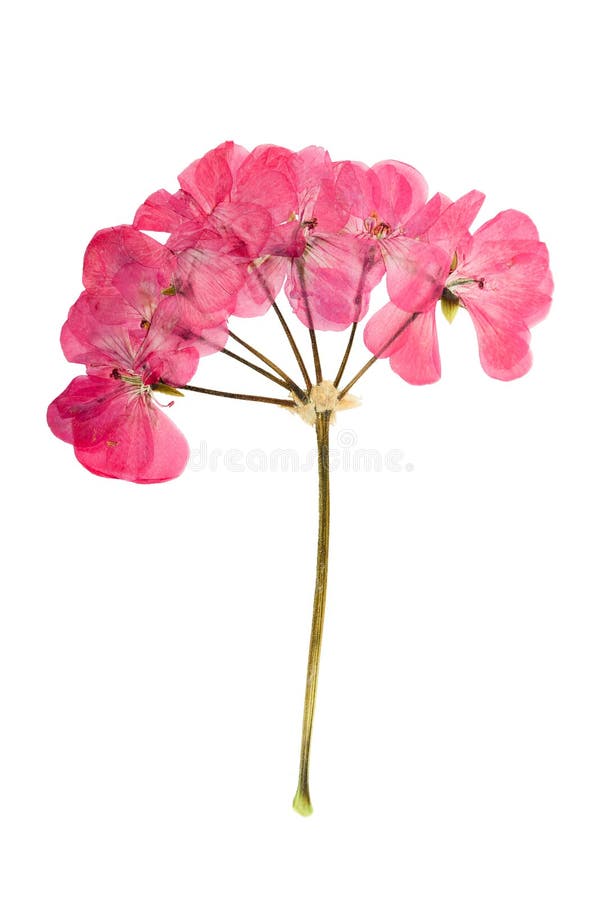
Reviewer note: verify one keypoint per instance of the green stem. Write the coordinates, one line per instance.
(367, 264)
(302, 802)
(344, 361)
(293, 345)
(257, 399)
(256, 368)
(311, 329)
(292, 384)
(265, 286)
(316, 357)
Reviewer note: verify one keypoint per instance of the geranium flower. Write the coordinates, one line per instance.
(502, 279)
(500, 275)
(277, 214)
(219, 222)
(111, 417)
(327, 279)
(384, 201)
(125, 330)
(129, 275)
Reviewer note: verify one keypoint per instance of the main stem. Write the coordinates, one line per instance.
(302, 802)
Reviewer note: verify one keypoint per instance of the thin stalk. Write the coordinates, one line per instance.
(291, 383)
(311, 329)
(344, 361)
(302, 802)
(293, 345)
(374, 359)
(265, 286)
(367, 264)
(257, 399)
(316, 357)
(256, 368)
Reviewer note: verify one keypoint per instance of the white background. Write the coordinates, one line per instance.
(153, 639)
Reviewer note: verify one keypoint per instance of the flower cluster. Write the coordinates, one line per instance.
(246, 225)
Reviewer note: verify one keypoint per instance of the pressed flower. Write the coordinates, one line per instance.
(124, 329)
(111, 415)
(117, 430)
(242, 227)
(502, 279)
(499, 274)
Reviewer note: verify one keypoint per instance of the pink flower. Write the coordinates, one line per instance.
(109, 415)
(499, 275)
(219, 222)
(125, 329)
(277, 214)
(131, 279)
(328, 278)
(502, 279)
(384, 202)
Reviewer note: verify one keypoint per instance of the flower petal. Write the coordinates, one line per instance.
(402, 191)
(409, 340)
(264, 280)
(163, 211)
(117, 431)
(416, 272)
(329, 287)
(503, 342)
(209, 180)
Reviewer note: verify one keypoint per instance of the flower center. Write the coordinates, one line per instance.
(309, 224)
(133, 380)
(376, 227)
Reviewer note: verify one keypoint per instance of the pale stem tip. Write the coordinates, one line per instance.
(302, 803)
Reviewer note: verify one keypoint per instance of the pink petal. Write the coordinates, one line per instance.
(411, 343)
(87, 339)
(329, 288)
(317, 199)
(267, 178)
(402, 192)
(508, 225)
(356, 188)
(503, 343)
(207, 286)
(236, 229)
(416, 272)
(209, 180)
(118, 432)
(111, 249)
(163, 211)
(264, 280)
(454, 222)
(174, 367)
(422, 220)
(245, 228)
(286, 240)
(126, 273)
(506, 274)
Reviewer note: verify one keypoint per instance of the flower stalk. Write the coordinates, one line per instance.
(302, 802)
